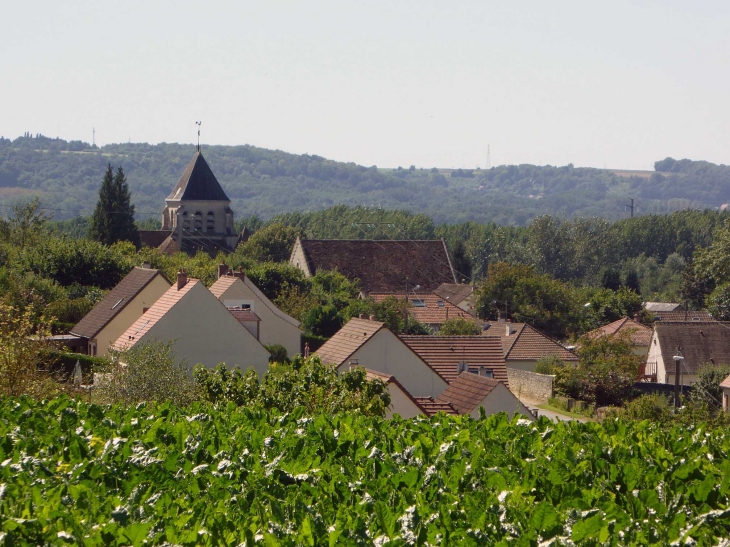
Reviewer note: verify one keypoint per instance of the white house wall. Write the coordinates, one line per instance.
(386, 353)
(501, 399)
(401, 404)
(205, 332)
(272, 328)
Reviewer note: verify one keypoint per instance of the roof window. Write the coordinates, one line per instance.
(120, 301)
(418, 303)
(440, 303)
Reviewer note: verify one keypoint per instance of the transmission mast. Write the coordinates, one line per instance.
(489, 159)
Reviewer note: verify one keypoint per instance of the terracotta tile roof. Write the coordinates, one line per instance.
(640, 334)
(431, 407)
(198, 183)
(244, 316)
(222, 284)
(114, 302)
(382, 266)
(444, 353)
(698, 343)
(390, 379)
(150, 318)
(526, 343)
(455, 294)
(725, 382)
(434, 310)
(682, 316)
(348, 340)
(153, 238)
(467, 391)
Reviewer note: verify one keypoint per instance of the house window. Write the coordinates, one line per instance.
(418, 303)
(210, 223)
(199, 221)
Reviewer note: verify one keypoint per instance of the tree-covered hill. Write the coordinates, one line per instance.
(67, 176)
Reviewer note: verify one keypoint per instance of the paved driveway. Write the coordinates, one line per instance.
(555, 416)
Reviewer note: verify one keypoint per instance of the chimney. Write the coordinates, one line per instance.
(637, 317)
(146, 265)
(372, 318)
(306, 350)
(239, 274)
(182, 279)
(222, 270)
(509, 330)
(362, 316)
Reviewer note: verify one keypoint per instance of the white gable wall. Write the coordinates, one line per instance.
(501, 399)
(386, 353)
(299, 259)
(205, 332)
(400, 403)
(655, 356)
(272, 329)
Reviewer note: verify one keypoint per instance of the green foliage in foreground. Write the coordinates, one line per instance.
(90, 475)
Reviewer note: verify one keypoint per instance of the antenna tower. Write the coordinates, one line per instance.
(489, 159)
(630, 207)
(198, 124)
(93, 136)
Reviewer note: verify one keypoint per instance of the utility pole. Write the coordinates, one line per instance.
(631, 207)
(677, 363)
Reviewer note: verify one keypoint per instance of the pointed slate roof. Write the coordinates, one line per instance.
(198, 183)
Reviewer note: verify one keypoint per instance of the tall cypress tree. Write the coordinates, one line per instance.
(113, 218)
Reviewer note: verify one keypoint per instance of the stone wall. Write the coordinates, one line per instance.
(530, 384)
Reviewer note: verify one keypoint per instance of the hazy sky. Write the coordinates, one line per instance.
(619, 83)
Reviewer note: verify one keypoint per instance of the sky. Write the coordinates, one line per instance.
(615, 84)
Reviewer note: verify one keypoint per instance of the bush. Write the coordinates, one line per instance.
(548, 364)
(459, 326)
(278, 354)
(304, 383)
(148, 372)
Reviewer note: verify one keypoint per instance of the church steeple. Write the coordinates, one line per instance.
(198, 183)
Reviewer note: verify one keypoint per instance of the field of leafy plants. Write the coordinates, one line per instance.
(82, 474)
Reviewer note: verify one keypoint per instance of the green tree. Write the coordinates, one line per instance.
(631, 281)
(113, 218)
(27, 225)
(459, 326)
(271, 244)
(611, 279)
(718, 303)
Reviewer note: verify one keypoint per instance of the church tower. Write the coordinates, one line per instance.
(198, 211)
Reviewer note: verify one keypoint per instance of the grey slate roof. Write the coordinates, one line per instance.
(198, 183)
(698, 343)
(114, 302)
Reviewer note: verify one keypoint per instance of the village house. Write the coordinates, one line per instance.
(524, 345)
(428, 309)
(639, 334)
(268, 323)
(121, 307)
(201, 328)
(725, 387)
(468, 393)
(696, 343)
(370, 344)
(461, 295)
(197, 215)
(401, 402)
(449, 356)
(386, 266)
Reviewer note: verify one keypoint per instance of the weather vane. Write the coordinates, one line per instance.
(198, 124)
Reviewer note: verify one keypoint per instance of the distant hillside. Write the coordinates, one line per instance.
(67, 176)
